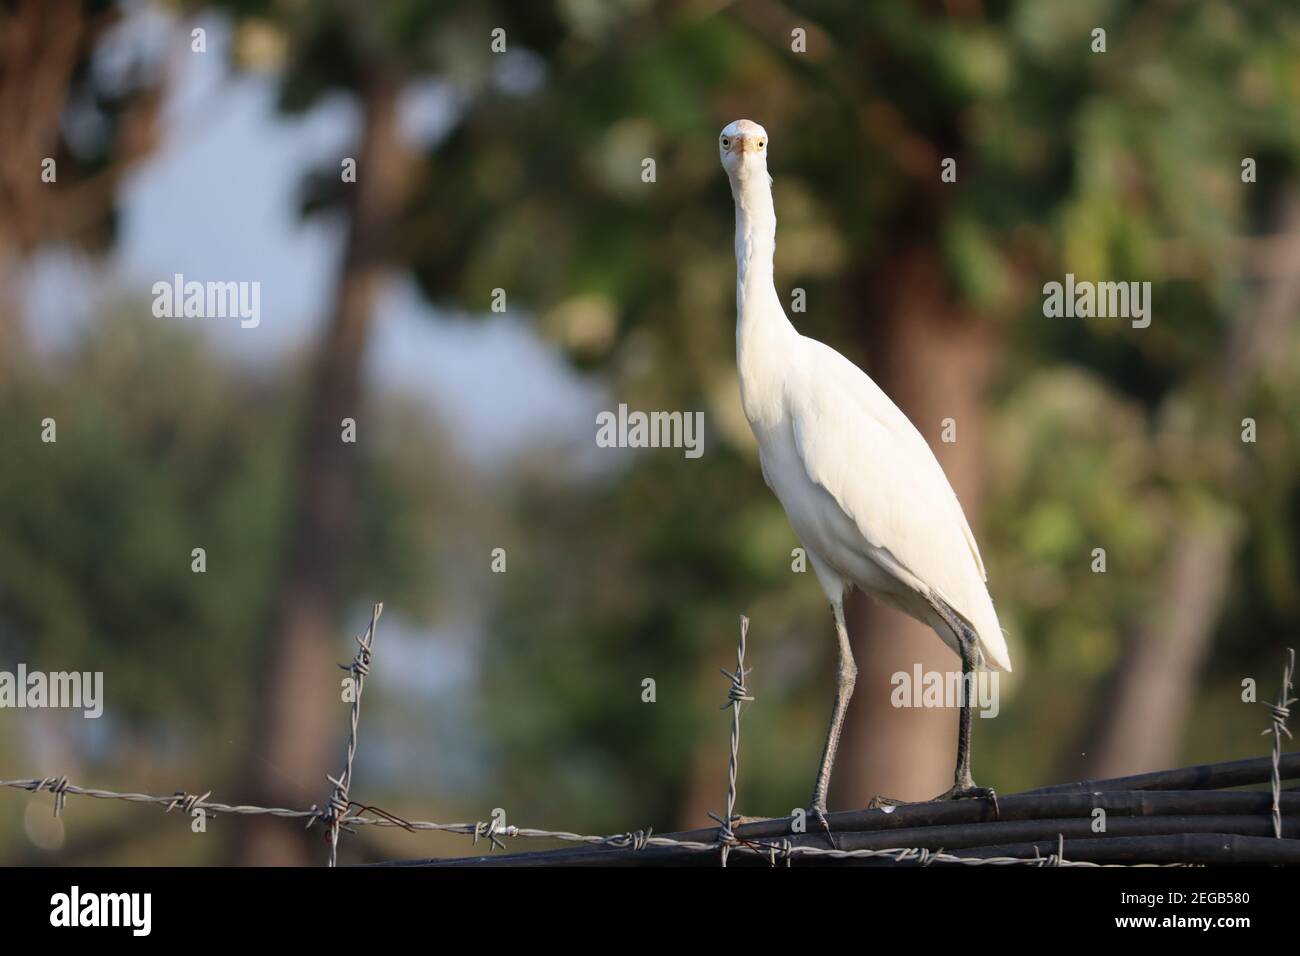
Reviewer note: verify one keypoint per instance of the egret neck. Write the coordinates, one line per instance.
(762, 329)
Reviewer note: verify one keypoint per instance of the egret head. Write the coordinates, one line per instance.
(742, 147)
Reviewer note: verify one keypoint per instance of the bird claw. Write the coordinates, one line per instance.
(819, 814)
(884, 803)
(971, 792)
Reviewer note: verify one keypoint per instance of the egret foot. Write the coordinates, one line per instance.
(884, 803)
(969, 791)
(818, 815)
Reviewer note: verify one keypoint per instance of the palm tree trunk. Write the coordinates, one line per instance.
(299, 715)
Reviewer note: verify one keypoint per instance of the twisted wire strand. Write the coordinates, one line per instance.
(737, 695)
(343, 814)
(1279, 712)
(339, 804)
(777, 850)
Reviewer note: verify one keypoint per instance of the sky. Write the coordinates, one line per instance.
(219, 202)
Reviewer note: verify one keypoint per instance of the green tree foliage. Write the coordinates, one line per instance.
(162, 448)
(1123, 164)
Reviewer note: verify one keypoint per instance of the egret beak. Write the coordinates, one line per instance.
(742, 143)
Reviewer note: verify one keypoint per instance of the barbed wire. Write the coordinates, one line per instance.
(1279, 712)
(339, 804)
(341, 813)
(736, 696)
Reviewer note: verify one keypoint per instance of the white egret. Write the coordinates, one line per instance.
(862, 489)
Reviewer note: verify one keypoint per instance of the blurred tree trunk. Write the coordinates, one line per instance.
(38, 52)
(933, 359)
(44, 44)
(1139, 717)
(299, 715)
(1138, 721)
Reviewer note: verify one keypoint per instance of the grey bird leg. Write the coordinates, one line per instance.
(963, 787)
(846, 677)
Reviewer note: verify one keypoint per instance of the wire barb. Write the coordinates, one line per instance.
(1279, 712)
(489, 831)
(635, 840)
(187, 801)
(57, 786)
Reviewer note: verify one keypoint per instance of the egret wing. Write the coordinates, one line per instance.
(858, 446)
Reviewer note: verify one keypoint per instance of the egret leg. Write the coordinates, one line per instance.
(963, 783)
(846, 677)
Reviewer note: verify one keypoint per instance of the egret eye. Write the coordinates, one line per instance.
(762, 143)
(725, 142)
